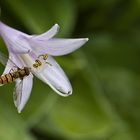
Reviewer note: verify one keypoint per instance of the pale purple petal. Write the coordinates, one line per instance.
(54, 76)
(47, 35)
(56, 47)
(22, 91)
(13, 63)
(15, 40)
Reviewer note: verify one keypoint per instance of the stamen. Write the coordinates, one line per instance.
(49, 63)
(45, 56)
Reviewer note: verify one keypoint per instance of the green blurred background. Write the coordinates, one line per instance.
(105, 73)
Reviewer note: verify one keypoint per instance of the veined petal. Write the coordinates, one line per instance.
(54, 76)
(22, 91)
(56, 47)
(15, 40)
(47, 35)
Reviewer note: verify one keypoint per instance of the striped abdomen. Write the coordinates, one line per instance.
(7, 78)
(10, 77)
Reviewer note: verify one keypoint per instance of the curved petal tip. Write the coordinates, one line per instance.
(64, 94)
(57, 27)
(86, 39)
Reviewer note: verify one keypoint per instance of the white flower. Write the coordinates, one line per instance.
(25, 49)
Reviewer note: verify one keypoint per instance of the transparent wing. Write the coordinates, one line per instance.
(3, 58)
(9, 63)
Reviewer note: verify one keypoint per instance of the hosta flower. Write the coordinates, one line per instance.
(35, 52)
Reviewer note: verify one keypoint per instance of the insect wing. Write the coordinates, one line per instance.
(8, 63)
(3, 59)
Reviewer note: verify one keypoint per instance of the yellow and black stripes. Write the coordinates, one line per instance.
(7, 78)
(10, 77)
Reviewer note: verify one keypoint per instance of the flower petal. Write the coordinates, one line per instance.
(13, 62)
(22, 92)
(56, 47)
(47, 35)
(15, 40)
(54, 76)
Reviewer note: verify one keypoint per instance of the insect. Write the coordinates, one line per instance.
(12, 76)
(38, 62)
(18, 73)
(21, 76)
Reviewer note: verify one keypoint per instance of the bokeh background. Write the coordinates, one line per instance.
(105, 73)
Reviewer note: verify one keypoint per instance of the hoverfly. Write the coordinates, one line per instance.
(12, 76)
(18, 73)
(22, 76)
